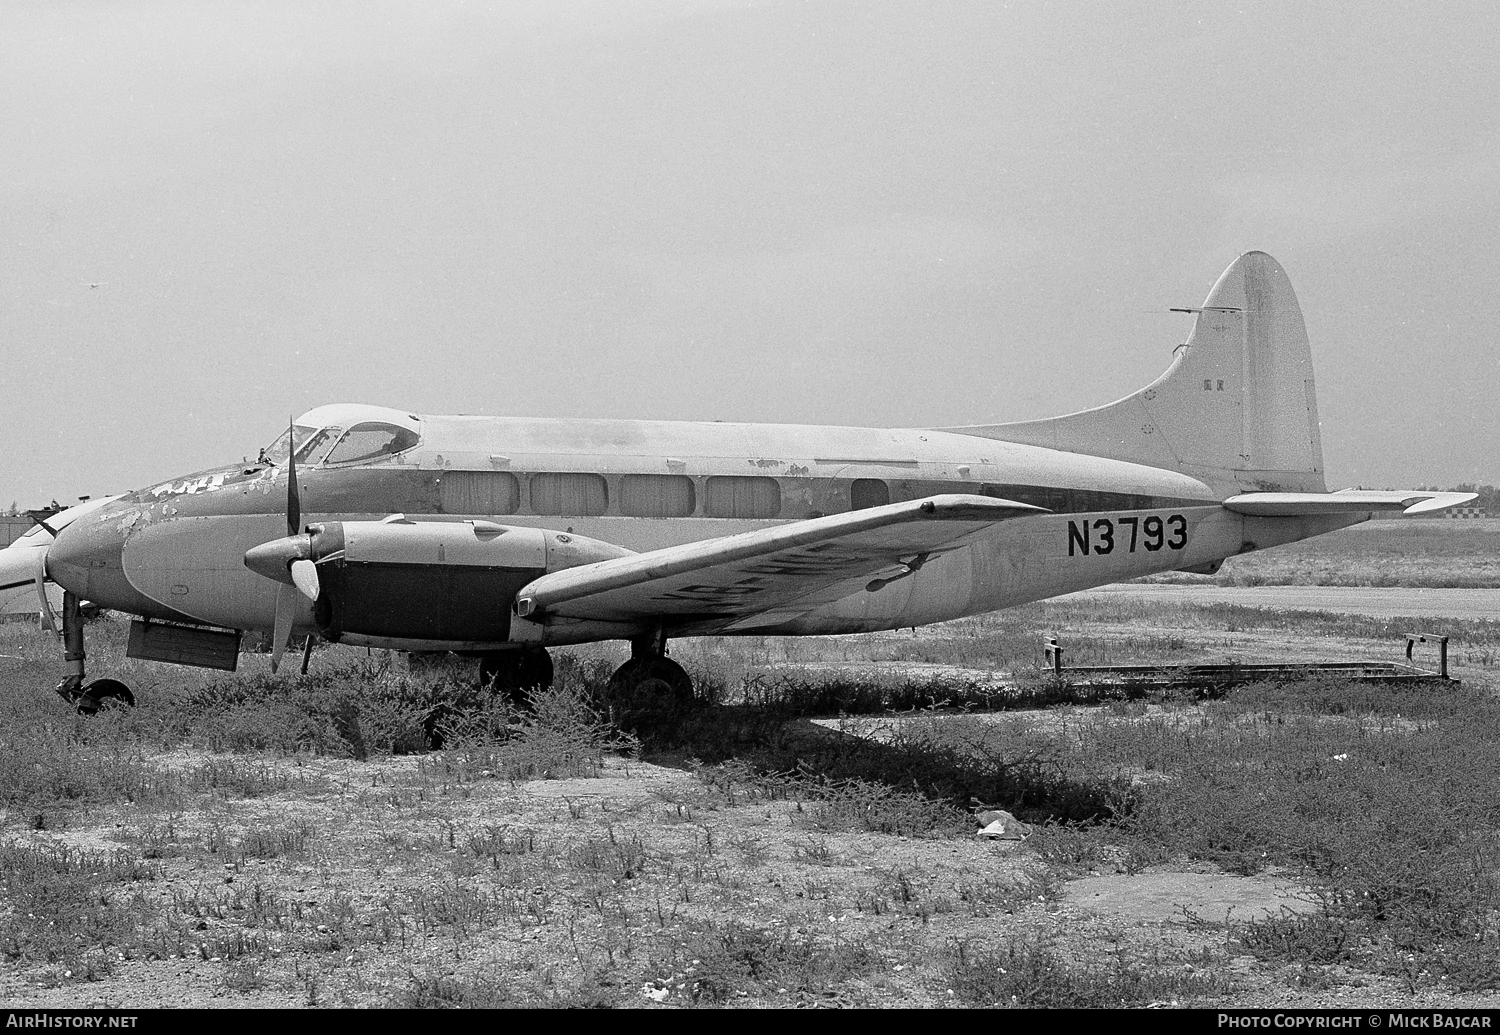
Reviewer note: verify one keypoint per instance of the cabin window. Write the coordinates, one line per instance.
(480, 492)
(657, 495)
(731, 497)
(868, 492)
(571, 494)
(371, 440)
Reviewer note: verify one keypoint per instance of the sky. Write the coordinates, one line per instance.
(214, 216)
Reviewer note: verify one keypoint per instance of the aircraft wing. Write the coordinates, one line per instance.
(750, 573)
(18, 567)
(1345, 501)
(19, 560)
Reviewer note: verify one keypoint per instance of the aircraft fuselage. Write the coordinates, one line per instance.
(175, 551)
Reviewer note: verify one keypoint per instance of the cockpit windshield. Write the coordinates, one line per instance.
(310, 444)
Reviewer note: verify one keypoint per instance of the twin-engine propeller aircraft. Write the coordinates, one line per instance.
(500, 537)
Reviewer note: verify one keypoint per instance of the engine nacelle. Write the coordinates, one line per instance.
(434, 584)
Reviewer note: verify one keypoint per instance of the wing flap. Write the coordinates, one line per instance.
(1345, 501)
(754, 572)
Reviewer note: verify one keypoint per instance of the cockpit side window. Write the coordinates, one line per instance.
(370, 441)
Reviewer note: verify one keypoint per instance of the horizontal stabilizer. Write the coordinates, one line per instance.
(1345, 501)
(750, 573)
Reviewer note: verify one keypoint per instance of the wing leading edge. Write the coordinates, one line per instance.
(1345, 501)
(750, 573)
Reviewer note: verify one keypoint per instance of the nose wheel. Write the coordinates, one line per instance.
(96, 694)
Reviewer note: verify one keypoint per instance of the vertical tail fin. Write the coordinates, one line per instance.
(1236, 408)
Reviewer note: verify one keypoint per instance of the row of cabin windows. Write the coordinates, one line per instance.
(581, 494)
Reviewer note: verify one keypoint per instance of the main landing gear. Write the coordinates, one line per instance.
(88, 697)
(513, 672)
(650, 674)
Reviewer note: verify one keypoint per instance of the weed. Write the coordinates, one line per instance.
(714, 962)
(58, 908)
(815, 851)
(160, 840)
(243, 975)
(1299, 937)
(622, 858)
(41, 767)
(276, 841)
(500, 841)
(240, 777)
(1030, 975)
(432, 990)
(561, 735)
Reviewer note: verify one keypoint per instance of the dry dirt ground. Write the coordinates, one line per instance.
(383, 837)
(611, 889)
(609, 874)
(428, 880)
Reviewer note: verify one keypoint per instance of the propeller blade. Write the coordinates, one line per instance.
(305, 576)
(286, 610)
(293, 496)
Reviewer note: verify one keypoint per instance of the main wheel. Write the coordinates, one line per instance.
(513, 672)
(651, 677)
(536, 669)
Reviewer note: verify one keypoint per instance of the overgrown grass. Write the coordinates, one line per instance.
(713, 963)
(1379, 798)
(56, 912)
(1029, 975)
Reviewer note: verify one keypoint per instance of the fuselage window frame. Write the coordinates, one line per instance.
(481, 493)
(568, 494)
(657, 496)
(746, 497)
(865, 493)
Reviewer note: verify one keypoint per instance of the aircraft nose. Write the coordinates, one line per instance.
(85, 559)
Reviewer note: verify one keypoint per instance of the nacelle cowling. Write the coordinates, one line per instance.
(433, 583)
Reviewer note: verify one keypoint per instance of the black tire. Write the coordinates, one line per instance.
(100, 691)
(536, 670)
(516, 672)
(645, 678)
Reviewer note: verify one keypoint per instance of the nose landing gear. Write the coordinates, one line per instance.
(88, 697)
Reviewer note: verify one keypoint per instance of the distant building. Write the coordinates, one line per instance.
(11, 527)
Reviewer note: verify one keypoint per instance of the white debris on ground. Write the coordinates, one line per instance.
(1001, 825)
